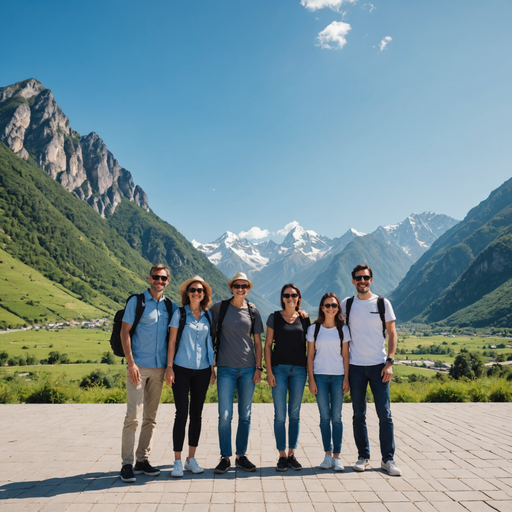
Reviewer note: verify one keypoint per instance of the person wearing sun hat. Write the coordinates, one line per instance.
(190, 368)
(239, 360)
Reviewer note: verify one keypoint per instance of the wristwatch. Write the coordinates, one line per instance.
(390, 360)
(260, 368)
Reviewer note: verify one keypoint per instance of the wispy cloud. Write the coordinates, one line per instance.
(369, 6)
(254, 233)
(384, 43)
(287, 228)
(333, 37)
(335, 5)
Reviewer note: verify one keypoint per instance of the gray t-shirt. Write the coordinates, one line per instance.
(236, 348)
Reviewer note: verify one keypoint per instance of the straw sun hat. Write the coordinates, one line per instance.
(239, 277)
(196, 279)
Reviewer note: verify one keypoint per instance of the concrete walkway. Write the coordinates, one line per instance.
(454, 457)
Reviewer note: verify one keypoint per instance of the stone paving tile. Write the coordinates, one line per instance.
(450, 463)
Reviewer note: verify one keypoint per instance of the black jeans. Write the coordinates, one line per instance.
(196, 382)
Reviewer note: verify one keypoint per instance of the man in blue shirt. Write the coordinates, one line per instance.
(146, 356)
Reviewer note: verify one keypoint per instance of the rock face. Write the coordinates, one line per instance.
(33, 125)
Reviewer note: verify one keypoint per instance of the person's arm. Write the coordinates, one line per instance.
(311, 358)
(387, 371)
(169, 372)
(126, 340)
(268, 356)
(345, 352)
(258, 355)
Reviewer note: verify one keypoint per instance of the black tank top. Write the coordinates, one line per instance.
(289, 341)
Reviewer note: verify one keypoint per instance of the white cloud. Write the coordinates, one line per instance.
(333, 33)
(287, 228)
(254, 233)
(315, 5)
(369, 6)
(384, 43)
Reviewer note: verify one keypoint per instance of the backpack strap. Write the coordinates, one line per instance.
(252, 315)
(170, 306)
(224, 306)
(382, 313)
(181, 326)
(139, 310)
(340, 332)
(317, 330)
(348, 307)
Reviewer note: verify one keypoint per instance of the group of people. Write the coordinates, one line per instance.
(343, 350)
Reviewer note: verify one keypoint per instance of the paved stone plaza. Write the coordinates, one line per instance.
(454, 457)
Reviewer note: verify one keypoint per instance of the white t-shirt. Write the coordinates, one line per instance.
(328, 358)
(367, 344)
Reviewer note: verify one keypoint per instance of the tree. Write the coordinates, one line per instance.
(109, 358)
(468, 364)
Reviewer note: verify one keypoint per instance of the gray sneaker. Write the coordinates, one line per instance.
(327, 462)
(177, 471)
(192, 465)
(337, 465)
(391, 468)
(361, 464)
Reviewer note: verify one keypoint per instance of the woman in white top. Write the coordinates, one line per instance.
(328, 363)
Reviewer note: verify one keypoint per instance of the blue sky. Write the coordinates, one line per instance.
(234, 114)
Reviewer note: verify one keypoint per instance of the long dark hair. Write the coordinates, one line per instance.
(290, 285)
(321, 315)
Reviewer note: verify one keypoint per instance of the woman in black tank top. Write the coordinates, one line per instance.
(286, 371)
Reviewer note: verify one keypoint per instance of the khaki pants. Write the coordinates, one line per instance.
(142, 399)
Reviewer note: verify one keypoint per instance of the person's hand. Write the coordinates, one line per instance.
(134, 374)
(169, 377)
(257, 376)
(303, 314)
(251, 304)
(387, 372)
(271, 379)
(213, 377)
(312, 387)
(346, 385)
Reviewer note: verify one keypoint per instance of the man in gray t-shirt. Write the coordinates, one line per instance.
(239, 360)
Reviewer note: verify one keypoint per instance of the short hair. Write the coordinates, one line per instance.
(185, 299)
(159, 266)
(361, 267)
(321, 314)
(291, 285)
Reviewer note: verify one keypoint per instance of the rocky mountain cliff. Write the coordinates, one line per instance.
(33, 126)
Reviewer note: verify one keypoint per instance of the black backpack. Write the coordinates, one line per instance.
(115, 337)
(380, 306)
(224, 306)
(340, 332)
(181, 326)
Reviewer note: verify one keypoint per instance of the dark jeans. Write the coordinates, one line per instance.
(196, 382)
(359, 378)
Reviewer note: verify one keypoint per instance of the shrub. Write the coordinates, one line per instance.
(447, 392)
(98, 378)
(52, 390)
(500, 392)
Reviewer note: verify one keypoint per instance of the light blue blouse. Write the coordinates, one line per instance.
(196, 346)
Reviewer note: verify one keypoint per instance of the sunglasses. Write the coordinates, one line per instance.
(240, 286)
(194, 290)
(329, 306)
(292, 295)
(161, 278)
(360, 278)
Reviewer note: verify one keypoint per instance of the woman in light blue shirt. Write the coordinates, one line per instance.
(190, 368)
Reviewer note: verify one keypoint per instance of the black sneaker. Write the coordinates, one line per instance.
(146, 468)
(127, 475)
(244, 463)
(294, 463)
(222, 466)
(282, 464)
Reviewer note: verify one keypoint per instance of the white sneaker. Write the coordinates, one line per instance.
(177, 471)
(327, 462)
(391, 468)
(192, 465)
(337, 465)
(361, 464)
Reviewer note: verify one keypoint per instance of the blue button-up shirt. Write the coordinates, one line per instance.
(196, 347)
(149, 342)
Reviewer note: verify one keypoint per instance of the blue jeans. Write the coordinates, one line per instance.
(360, 377)
(330, 400)
(229, 379)
(289, 379)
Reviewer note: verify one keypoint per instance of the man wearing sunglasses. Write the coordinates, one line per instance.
(146, 356)
(371, 364)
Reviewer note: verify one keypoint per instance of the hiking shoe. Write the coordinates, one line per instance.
(361, 464)
(146, 468)
(337, 465)
(127, 475)
(327, 462)
(294, 463)
(177, 471)
(192, 465)
(222, 466)
(391, 468)
(244, 463)
(282, 464)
